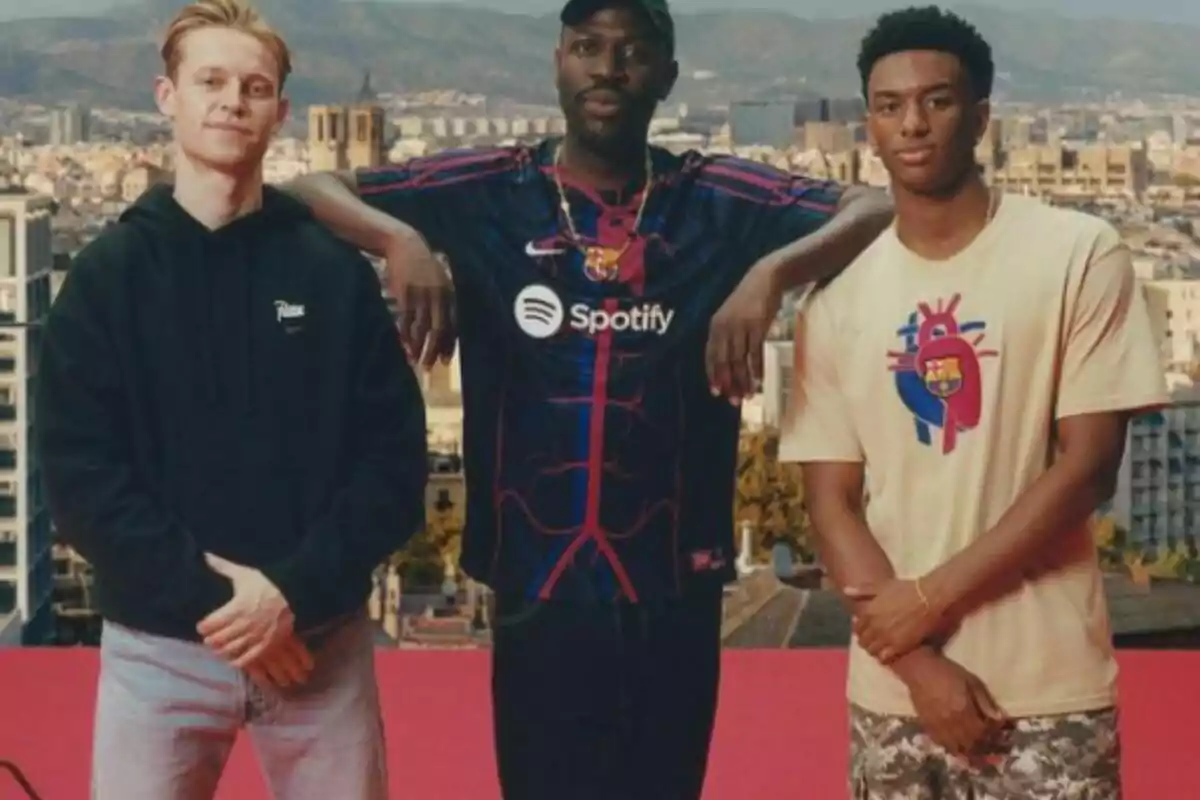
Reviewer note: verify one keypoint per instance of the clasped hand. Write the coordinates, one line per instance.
(954, 706)
(255, 630)
(892, 618)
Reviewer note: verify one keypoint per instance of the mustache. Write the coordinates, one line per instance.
(620, 94)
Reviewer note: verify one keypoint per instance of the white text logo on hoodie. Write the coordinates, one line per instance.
(289, 315)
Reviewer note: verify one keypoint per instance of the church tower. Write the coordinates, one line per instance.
(342, 137)
(365, 147)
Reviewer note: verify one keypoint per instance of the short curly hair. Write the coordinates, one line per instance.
(929, 28)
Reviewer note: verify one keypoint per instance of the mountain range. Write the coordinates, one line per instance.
(1169, 11)
(109, 60)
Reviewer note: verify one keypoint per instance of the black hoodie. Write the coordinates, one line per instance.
(239, 391)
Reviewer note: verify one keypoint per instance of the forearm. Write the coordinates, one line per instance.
(334, 201)
(131, 542)
(861, 217)
(1059, 501)
(97, 498)
(854, 558)
(376, 514)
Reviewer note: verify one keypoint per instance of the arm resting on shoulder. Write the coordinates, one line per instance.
(862, 214)
(335, 200)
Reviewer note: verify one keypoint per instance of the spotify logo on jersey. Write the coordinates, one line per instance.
(538, 310)
(540, 314)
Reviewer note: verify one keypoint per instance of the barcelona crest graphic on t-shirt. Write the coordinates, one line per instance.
(938, 376)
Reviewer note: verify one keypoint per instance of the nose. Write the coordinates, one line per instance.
(914, 124)
(232, 98)
(609, 65)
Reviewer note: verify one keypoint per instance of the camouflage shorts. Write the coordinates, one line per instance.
(1068, 757)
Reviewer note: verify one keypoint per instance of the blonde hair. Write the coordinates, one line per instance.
(231, 14)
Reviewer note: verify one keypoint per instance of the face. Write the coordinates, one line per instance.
(924, 121)
(612, 72)
(224, 101)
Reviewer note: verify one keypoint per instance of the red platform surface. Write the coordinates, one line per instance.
(781, 730)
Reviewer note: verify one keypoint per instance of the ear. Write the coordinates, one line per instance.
(983, 117)
(164, 96)
(282, 113)
(669, 79)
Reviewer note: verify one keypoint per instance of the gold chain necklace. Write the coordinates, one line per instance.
(601, 263)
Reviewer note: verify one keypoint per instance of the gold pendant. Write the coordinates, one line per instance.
(602, 263)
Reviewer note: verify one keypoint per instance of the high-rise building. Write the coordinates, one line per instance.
(762, 122)
(1158, 487)
(70, 125)
(350, 136)
(26, 565)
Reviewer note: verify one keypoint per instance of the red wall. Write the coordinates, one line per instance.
(780, 732)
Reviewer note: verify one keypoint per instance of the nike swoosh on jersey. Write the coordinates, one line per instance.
(531, 250)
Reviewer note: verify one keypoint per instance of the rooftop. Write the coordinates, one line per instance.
(780, 729)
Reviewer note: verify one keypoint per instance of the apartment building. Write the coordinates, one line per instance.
(1059, 171)
(1175, 313)
(26, 566)
(1158, 488)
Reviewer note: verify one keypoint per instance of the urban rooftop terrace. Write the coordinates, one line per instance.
(781, 728)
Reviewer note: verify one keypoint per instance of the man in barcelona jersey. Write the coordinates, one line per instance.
(610, 300)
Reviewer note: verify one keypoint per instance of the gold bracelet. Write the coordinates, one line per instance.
(921, 593)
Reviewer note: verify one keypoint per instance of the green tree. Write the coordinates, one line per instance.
(422, 561)
(770, 495)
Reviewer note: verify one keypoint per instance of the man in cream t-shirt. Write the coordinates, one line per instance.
(979, 393)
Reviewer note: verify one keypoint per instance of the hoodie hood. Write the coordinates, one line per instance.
(157, 207)
(212, 275)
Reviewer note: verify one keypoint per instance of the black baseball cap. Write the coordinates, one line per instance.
(578, 11)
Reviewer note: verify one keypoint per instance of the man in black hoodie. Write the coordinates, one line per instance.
(231, 436)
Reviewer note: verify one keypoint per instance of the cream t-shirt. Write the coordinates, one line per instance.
(945, 379)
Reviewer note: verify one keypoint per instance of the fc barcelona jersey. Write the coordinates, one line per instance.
(598, 466)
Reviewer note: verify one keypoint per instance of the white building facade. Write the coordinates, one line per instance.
(26, 567)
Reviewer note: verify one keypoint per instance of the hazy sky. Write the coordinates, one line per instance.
(1162, 10)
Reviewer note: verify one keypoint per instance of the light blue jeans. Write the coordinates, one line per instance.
(168, 712)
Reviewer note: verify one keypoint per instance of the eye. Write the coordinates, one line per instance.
(637, 52)
(585, 47)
